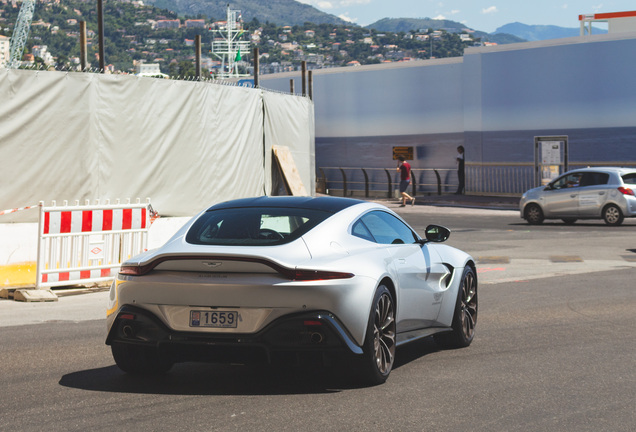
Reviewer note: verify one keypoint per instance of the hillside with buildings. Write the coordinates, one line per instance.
(136, 33)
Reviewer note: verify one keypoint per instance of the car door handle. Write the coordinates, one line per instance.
(573, 196)
(401, 261)
(601, 193)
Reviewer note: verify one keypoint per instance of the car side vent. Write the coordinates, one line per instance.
(449, 277)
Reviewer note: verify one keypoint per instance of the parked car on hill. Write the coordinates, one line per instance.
(606, 193)
(284, 278)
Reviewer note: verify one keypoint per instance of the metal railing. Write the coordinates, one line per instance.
(383, 182)
(499, 178)
(505, 179)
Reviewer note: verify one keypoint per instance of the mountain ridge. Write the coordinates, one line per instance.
(542, 32)
(508, 33)
(280, 12)
(292, 12)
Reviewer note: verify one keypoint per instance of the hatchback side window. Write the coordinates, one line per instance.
(386, 228)
(568, 181)
(594, 179)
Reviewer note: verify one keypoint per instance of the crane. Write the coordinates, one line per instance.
(21, 33)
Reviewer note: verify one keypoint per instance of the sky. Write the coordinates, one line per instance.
(483, 15)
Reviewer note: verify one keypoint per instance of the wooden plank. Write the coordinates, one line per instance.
(290, 172)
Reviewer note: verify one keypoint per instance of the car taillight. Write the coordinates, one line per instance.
(311, 275)
(135, 270)
(312, 323)
(626, 191)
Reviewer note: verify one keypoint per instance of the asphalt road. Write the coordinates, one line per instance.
(554, 351)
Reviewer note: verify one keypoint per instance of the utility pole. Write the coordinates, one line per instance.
(100, 31)
(197, 54)
(256, 66)
(303, 71)
(83, 45)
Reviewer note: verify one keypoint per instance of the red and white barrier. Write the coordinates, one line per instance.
(87, 244)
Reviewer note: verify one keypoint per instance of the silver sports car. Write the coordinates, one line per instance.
(286, 278)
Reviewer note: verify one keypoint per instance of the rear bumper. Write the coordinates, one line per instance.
(309, 333)
(630, 211)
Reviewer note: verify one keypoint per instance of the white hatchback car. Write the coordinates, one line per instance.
(606, 193)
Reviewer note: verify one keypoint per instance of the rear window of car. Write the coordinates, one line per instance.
(629, 178)
(253, 226)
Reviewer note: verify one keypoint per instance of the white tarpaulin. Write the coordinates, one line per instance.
(186, 145)
(289, 122)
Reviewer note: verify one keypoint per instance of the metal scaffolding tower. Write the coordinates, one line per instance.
(21, 33)
(227, 45)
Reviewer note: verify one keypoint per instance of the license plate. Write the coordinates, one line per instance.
(217, 319)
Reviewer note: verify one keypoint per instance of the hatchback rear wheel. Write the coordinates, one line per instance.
(612, 215)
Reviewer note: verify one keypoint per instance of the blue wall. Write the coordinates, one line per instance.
(494, 101)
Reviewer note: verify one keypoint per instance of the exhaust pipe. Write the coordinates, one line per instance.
(128, 331)
(316, 338)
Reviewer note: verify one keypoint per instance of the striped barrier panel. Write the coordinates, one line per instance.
(87, 244)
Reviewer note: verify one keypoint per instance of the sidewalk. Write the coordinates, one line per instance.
(467, 201)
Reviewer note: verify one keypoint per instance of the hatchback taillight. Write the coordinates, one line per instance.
(626, 191)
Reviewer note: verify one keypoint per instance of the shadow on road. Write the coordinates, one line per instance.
(215, 379)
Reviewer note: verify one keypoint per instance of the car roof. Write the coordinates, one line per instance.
(617, 170)
(325, 203)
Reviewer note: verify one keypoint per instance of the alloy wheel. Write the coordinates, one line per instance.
(384, 334)
(469, 306)
(613, 215)
(534, 214)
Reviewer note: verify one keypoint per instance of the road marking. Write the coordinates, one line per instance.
(490, 269)
(493, 260)
(565, 258)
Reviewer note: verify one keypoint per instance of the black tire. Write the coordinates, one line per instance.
(465, 316)
(139, 360)
(533, 214)
(569, 221)
(612, 215)
(378, 355)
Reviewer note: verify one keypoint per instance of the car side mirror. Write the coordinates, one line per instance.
(437, 233)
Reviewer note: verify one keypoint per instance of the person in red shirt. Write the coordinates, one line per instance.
(405, 179)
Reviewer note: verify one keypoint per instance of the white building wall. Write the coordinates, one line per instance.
(622, 25)
(5, 50)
